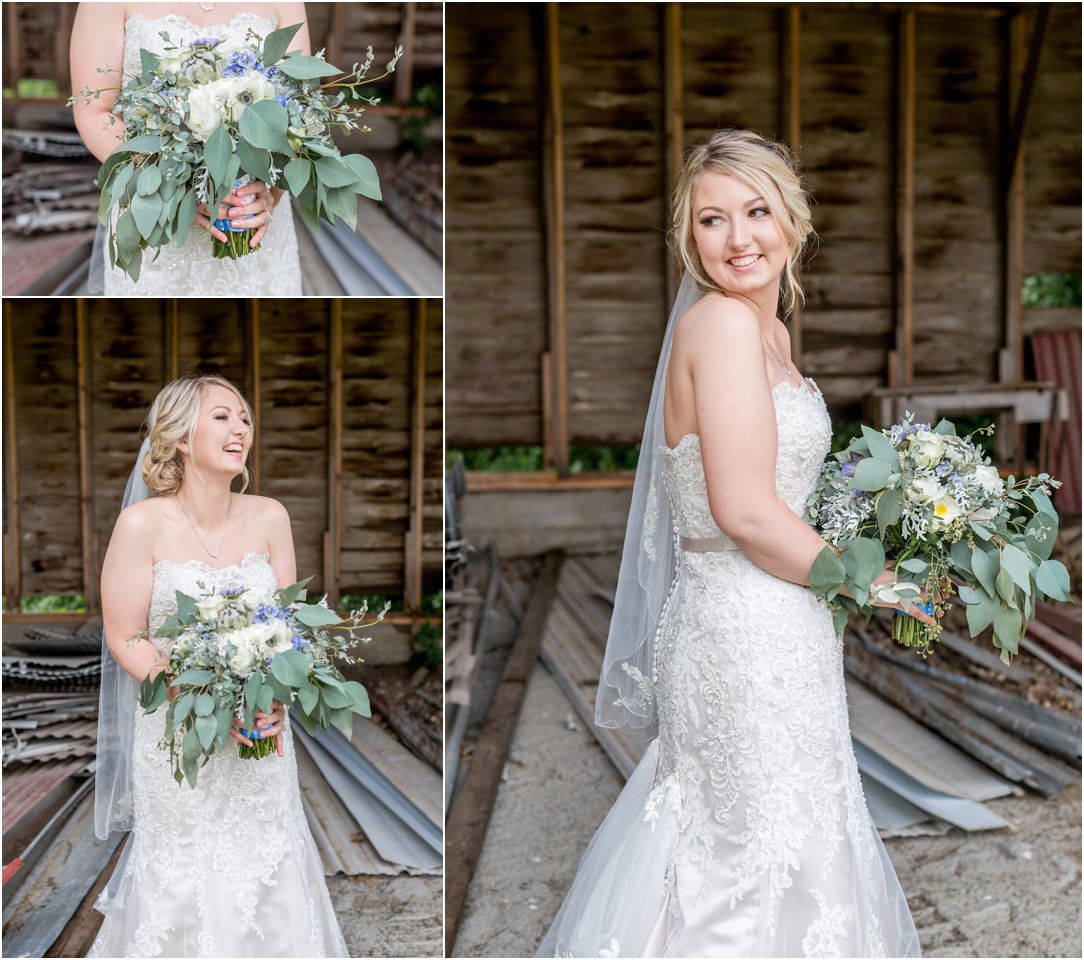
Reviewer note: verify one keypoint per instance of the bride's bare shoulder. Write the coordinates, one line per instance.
(265, 509)
(716, 320)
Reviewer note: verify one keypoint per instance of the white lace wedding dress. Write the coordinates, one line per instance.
(274, 270)
(225, 869)
(743, 832)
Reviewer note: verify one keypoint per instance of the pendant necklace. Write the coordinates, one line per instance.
(777, 353)
(222, 542)
(207, 7)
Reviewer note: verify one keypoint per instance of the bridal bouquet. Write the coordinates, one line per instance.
(213, 114)
(932, 503)
(237, 650)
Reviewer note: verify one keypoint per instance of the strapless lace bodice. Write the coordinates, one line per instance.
(805, 436)
(191, 270)
(197, 579)
(146, 33)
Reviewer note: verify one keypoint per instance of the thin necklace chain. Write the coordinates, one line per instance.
(222, 542)
(774, 347)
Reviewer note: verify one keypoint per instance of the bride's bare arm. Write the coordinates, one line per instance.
(97, 41)
(736, 423)
(280, 540)
(127, 579)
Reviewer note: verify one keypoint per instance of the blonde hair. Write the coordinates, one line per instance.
(769, 168)
(171, 420)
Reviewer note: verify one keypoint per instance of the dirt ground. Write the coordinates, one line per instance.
(390, 916)
(992, 894)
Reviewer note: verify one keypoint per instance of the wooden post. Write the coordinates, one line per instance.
(174, 339)
(792, 124)
(904, 372)
(12, 48)
(333, 540)
(673, 115)
(554, 188)
(404, 69)
(254, 389)
(1022, 85)
(337, 29)
(412, 574)
(13, 586)
(90, 582)
(62, 39)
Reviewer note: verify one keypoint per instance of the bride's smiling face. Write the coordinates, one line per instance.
(740, 243)
(223, 433)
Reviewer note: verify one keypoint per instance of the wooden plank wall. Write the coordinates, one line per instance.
(838, 74)
(132, 347)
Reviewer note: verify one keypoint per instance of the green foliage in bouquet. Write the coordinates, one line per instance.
(931, 502)
(199, 117)
(224, 666)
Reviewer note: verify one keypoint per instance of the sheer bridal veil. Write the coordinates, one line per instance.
(626, 692)
(117, 704)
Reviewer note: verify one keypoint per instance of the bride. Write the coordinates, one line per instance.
(112, 34)
(743, 831)
(229, 867)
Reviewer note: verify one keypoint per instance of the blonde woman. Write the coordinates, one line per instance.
(111, 35)
(227, 868)
(743, 832)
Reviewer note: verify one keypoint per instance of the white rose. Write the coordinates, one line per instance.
(989, 479)
(202, 72)
(210, 607)
(927, 448)
(945, 510)
(172, 60)
(924, 489)
(206, 110)
(242, 662)
(251, 599)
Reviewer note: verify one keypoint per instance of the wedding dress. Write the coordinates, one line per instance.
(228, 868)
(743, 832)
(274, 270)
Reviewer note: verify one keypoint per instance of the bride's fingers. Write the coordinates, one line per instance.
(257, 236)
(237, 736)
(202, 221)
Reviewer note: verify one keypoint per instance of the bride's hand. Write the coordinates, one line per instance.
(886, 578)
(269, 725)
(247, 208)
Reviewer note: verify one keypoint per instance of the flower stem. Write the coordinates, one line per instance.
(259, 748)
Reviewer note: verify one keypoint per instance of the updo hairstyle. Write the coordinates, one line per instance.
(172, 419)
(770, 169)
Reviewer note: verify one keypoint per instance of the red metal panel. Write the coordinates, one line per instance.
(1057, 358)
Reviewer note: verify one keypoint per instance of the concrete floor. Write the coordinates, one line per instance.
(390, 916)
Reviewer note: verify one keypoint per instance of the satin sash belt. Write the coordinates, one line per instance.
(706, 544)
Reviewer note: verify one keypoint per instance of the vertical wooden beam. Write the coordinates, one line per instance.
(337, 31)
(1011, 356)
(404, 69)
(673, 114)
(86, 525)
(333, 539)
(12, 64)
(412, 574)
(13, 586)
(174, 339)
(554, 188)
(903, 370)
(792, 124)
(254, 390)
(1022, 85)
(62, 39)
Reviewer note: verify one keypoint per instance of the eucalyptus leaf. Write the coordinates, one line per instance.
(360, 696)
(880, 447)
(970, 595)
(127, 236)
(871, 475)
(254, 161)
(308, 695)
(205, 704)
(960, 554)
(914, 565)
(368, 180)
(265, 696)
(1040, 543)
(985, 568)
(863, 560)
(946, 428)
(1019, 566)
(827, 573)
(297, 174)
(840, 615)
(145, 143)
(332, 172)
(889, 509)
(148, 63)
(286, 671)
(1006, 588)
(183, 705)
(263, 124)
(1053, 579)
(1043, 504)
(309, 723)
(277, 43)
(336, 699)
(980, 530)
(195, 677)
(1008, 627)
(980, 615)
(317, 615)
(293, 593)
(146, 210)
(186, 215)
(343, 720)
(216, 154)
(206, 730)
(343, 202)
(307, 68)
(149, 180)
(187, 607)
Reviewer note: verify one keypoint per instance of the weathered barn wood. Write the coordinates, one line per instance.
(388, 437)
(901, 116)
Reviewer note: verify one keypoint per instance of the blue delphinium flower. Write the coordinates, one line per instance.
(206, 42)
(297, 642)
(847, 469)
(942, 469)
(264, 612)
(268, 72)
(284, 100)
(238, 63)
